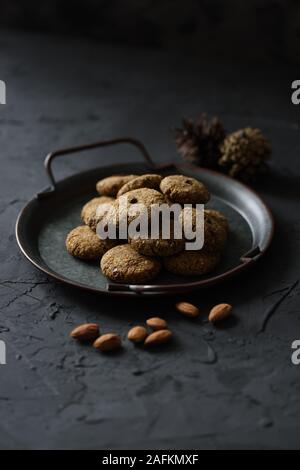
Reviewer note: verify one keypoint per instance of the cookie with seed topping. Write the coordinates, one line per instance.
(151, 181)
(124, 264)
(85, 244)
(126, 207)
(89, 210)
(215, 227)
(191, 263)
(219, 217)
(110, 186)
(158, 246)
(184, 190)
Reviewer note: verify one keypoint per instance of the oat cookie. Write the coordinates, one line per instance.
(184, 190)
(83, 243)
(145, 196)
(215, 228)
(89, 210)
(218, 216)
(191, 263)
(110, 186)
(215, 231)
(124, 264)
(158, 247)
(150, 181)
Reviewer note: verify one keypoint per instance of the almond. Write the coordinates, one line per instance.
(219, 312)
(137, 334)
(157, 323)
(108, 342)
(187, 309)
(86, 332)
(158, 337)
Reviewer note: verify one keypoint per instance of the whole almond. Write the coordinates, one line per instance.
(86, 332)
(157, 323)
(219, 312)
(108, 342)
(158, 337)
(187, 309)
(137, 334)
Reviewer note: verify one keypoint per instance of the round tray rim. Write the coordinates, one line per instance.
(126, 290)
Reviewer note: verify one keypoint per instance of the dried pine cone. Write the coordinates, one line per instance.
(244, 153)
(198, 141)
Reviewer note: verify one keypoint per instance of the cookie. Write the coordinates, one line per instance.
(89, 210)
(110, 186)
(85, 244)
(124, 264)
(158, 246)
(145, 196)
(215, 228)
(191, 263)
(219, 217)
(150, 181)
(215, 231)
(184, 190)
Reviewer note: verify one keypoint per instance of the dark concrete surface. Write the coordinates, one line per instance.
(227, 387)
(264, 30)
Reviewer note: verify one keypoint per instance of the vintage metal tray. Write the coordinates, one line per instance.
(44, 222)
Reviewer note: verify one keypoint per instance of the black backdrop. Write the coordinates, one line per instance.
(259, 30)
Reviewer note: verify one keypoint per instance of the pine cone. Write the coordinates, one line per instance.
(198, 141)
(244, 153)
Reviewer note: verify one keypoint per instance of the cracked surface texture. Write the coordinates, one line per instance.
(227, 387)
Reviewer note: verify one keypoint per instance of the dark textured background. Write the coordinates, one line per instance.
(252, 30)
(227, 387)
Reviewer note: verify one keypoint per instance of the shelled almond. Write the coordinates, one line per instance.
(137, 334)
(85, 332)
(187, 309)
(219, 312)
(157, 323)
(108, 342)
(158, 337)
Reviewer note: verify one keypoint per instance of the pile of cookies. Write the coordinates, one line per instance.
(138, 260)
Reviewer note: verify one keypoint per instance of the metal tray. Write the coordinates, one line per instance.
(44, 222)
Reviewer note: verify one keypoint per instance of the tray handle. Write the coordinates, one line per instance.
(103, 143)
